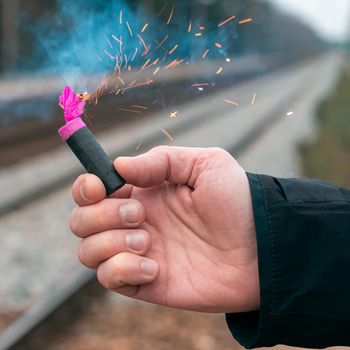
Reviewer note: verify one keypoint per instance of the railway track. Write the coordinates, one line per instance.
(209, 123)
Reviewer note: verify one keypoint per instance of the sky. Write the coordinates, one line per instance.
(330, 18)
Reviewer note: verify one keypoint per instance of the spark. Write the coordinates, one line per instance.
(144, 27)
(116, 39)
(121, 80)
(218, 45)
(174, 114)
(247, 20)
(198, 34)
(173, 49)
(121, 17)
(155, 61)
(171, 15)
(228, 60)
(226, 21)
(126, 60)
(133, 57)
(201, 84)
(167, 135)
(205, 53)
(201, 28)
(160, 44)
(138, 146)
(200, 89)
(145, 65)
(190, 26)
(108, 41)
(219, 71)
(254, 98)
(162, 9)
(129, 68)
(232, 102)
(142, 41)
(147, 82)
(141, 107)
(129, 110)
(109, 55)
(173, 64)
(156, 71)
(129, 28)
(99, 58)
(289, 114)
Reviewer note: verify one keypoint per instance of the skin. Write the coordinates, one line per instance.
(180, 234)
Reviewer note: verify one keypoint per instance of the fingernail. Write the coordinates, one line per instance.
(130, 213)
(148, 267)
(135, 241)
(82, 191)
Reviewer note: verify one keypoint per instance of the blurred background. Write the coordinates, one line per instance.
(271, 86)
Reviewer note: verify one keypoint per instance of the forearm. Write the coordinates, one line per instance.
(303, 236)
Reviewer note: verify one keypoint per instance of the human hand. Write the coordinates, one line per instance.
(180, 234)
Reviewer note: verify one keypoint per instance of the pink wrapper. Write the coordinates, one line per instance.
(73, 108)
(70, 128)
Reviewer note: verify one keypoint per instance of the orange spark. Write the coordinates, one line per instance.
(141, 107)
(173, 49)
(160, 44)
(218, 45)
(155, 61)
(129, 28)
(247, 20)
(142, 41)
(226, 21)
(202, 84)
(201, 28)
(232, 102)
(146, 63)
(205, 53)
(162, 9)
(144, 28)
(121, 80)
(167, 135)
(129, 68)
(254, 98)
(129, 110)
(219, 71)
(173, 64)
(171, 15)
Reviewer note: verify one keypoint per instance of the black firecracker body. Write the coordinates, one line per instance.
(94, 159)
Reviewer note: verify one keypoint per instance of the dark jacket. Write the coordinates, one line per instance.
(303, 236)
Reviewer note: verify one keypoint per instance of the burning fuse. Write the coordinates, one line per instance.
(83, 143)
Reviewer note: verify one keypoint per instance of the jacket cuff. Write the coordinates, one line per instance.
(251, 327)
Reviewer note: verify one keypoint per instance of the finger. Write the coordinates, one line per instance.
(127, 269)
(88, 189)
(174, 164)
(106, 215)
(124, 192)
(97, 248)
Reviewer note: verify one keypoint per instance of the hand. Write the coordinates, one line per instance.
(181, 234)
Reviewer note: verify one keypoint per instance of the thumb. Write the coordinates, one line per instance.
(163, 163)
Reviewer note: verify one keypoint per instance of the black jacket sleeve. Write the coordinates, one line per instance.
(303, 237)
